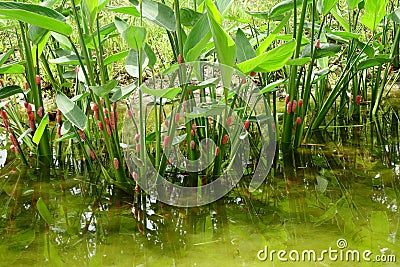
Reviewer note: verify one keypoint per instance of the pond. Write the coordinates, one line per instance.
(336, 198)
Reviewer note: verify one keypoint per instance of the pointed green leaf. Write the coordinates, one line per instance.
(134, 36)
(379, 222)
(13, 68)
(40, 130)
(283, 7)
(267, 42)
(395, 16)
(342, 21)
(169, 93)
(224, 45)
(301, 61)
(36, 15)
(197, 39)
(9, 91)
(273, 60)
(44, 211)
(352, 4)
(103, 90)
(189, 17)
(178, 139)
(244, 50)
(123, 92)
(66, 60)
(132, 60)
(128, 10)
(372, 62)
(223, 5)
(115, 57)
(150, 55)
(71, 111)
(325, 6)
(325, 50)
(272, 86)
(4, 57)
(158, 13)
(375, 10)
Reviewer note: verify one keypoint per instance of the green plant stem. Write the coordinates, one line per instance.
(142, 118)
(44, 149)
(90, 78)
(308, 84)
(288, 118)
(382, 85)
(178, 27)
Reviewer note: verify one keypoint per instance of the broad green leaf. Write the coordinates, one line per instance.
(169, 93)
(224, 45)
(21, 240)
(158, 13)
(151, 137)
(115, 57)
(65, 127)
(178, 139)
(4, 57)
(267, 42)
(352, 4)
(272, 60)
(325, 50)
(301, 61)
(9, 91)
(197, 39)
(213, 11)
(342, 35)
(39, 47)
(325, 6)
(150, 55)
(132, 60)
(44, 211)
(205, 84)
(92, 8)
(372, 62)
(395, 16)
(66, 60)
(338, 16)
(71, 111)
(375, 10)
(379, 222)
(123, 92)
(36, 15)
(128, 10)
(36, 33)
(103, 90)
(283, 7)
(40, 130)
(80, 97)
(62, 40)
(272, 86)
(205, 112)
(321, 185)
(259, 15)
(65, 137)
(134, 36)
(244, 50)
(13, 68)
(189, 17)
(223, 5)
(368, 50)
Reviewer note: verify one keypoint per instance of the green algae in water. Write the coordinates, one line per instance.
(338, 192)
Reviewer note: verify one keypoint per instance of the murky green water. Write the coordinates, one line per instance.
(342, 192)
